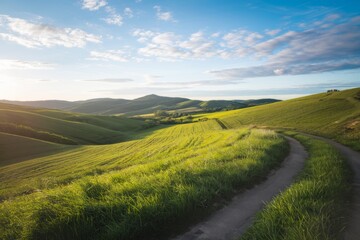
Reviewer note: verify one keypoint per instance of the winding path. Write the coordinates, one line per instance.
(232, 220)
(352, 231)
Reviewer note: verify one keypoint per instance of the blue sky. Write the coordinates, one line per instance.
(201, 49)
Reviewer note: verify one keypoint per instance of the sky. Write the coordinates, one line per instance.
(200, 49)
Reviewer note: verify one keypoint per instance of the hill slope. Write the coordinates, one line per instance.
(143, 105)
(64, 127)
(335, 115)
(14, 149)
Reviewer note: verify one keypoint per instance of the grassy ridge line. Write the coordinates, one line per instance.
(145, 199)
(313, 207)
(80, 161)
(32, 133)
(333, 115)
(82, 133)
(67, 127)
(14, 149)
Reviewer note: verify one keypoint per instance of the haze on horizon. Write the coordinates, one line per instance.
(82, 49)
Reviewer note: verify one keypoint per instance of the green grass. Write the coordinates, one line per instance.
(15, 149)
(64, 127)
(313, 207)
(149, 184)
(335, 115)
(163, 177)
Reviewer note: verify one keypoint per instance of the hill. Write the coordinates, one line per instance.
(164, 176)
(335, 115)
(143, 105)
(65, 127)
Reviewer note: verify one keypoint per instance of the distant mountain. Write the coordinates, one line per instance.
(143, 105)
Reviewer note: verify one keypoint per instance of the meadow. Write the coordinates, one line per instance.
(165, 178)
(65, 127)
(152, 180)
(334, 115)
(315, 206)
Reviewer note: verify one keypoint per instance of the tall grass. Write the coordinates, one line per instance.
(313, 207)
(143, 200)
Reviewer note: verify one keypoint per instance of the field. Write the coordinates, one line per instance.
(148, 182)
(312, 208)
(64, 127)
(334, 115)
(151, 180)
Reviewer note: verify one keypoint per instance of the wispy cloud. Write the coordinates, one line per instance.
(6, 64)
(35, 35)
(110, 55)
(169, 46)
(272, 32)
(286, 69)
(128, 12)
(93, 5)
(111, 80)
(113, 17)
(164, 16)
(187, 84)
(310, 51)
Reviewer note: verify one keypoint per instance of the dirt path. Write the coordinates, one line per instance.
(231, 221)
(352, 231)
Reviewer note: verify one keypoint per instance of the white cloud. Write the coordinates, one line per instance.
(113, 17)
(93, 5)
(111, 80)
(239, 43)
(6, 64)
(168, 46)
(276, 69)
(151, 78)
(143, 35)
(111, 55)
(34, 35)
(164, 16)
(272, 32)
(215, 35)
(332, 17)
(314, 50)
(128, 12)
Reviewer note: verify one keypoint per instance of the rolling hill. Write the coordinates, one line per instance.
(334, 115)
(141, 186)
(143, 105)
(65, 127)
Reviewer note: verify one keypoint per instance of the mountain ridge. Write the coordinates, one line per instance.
(142, 105)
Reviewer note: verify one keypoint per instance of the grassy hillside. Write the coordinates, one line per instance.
(64, 127)
(314, 206)
(144, 105)
(15, 149)
(54, 104)
(132, 189)
(335, 115)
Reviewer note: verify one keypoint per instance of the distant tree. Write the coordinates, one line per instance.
(161, 113)
(333, 90)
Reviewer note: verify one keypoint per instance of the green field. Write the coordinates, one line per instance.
(312, 208)
(140, 106)
(334, 115)
(153, 179)
(147, 182)
(53, 125)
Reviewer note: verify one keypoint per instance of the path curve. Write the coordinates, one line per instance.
(232, 220)
(352, 230)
